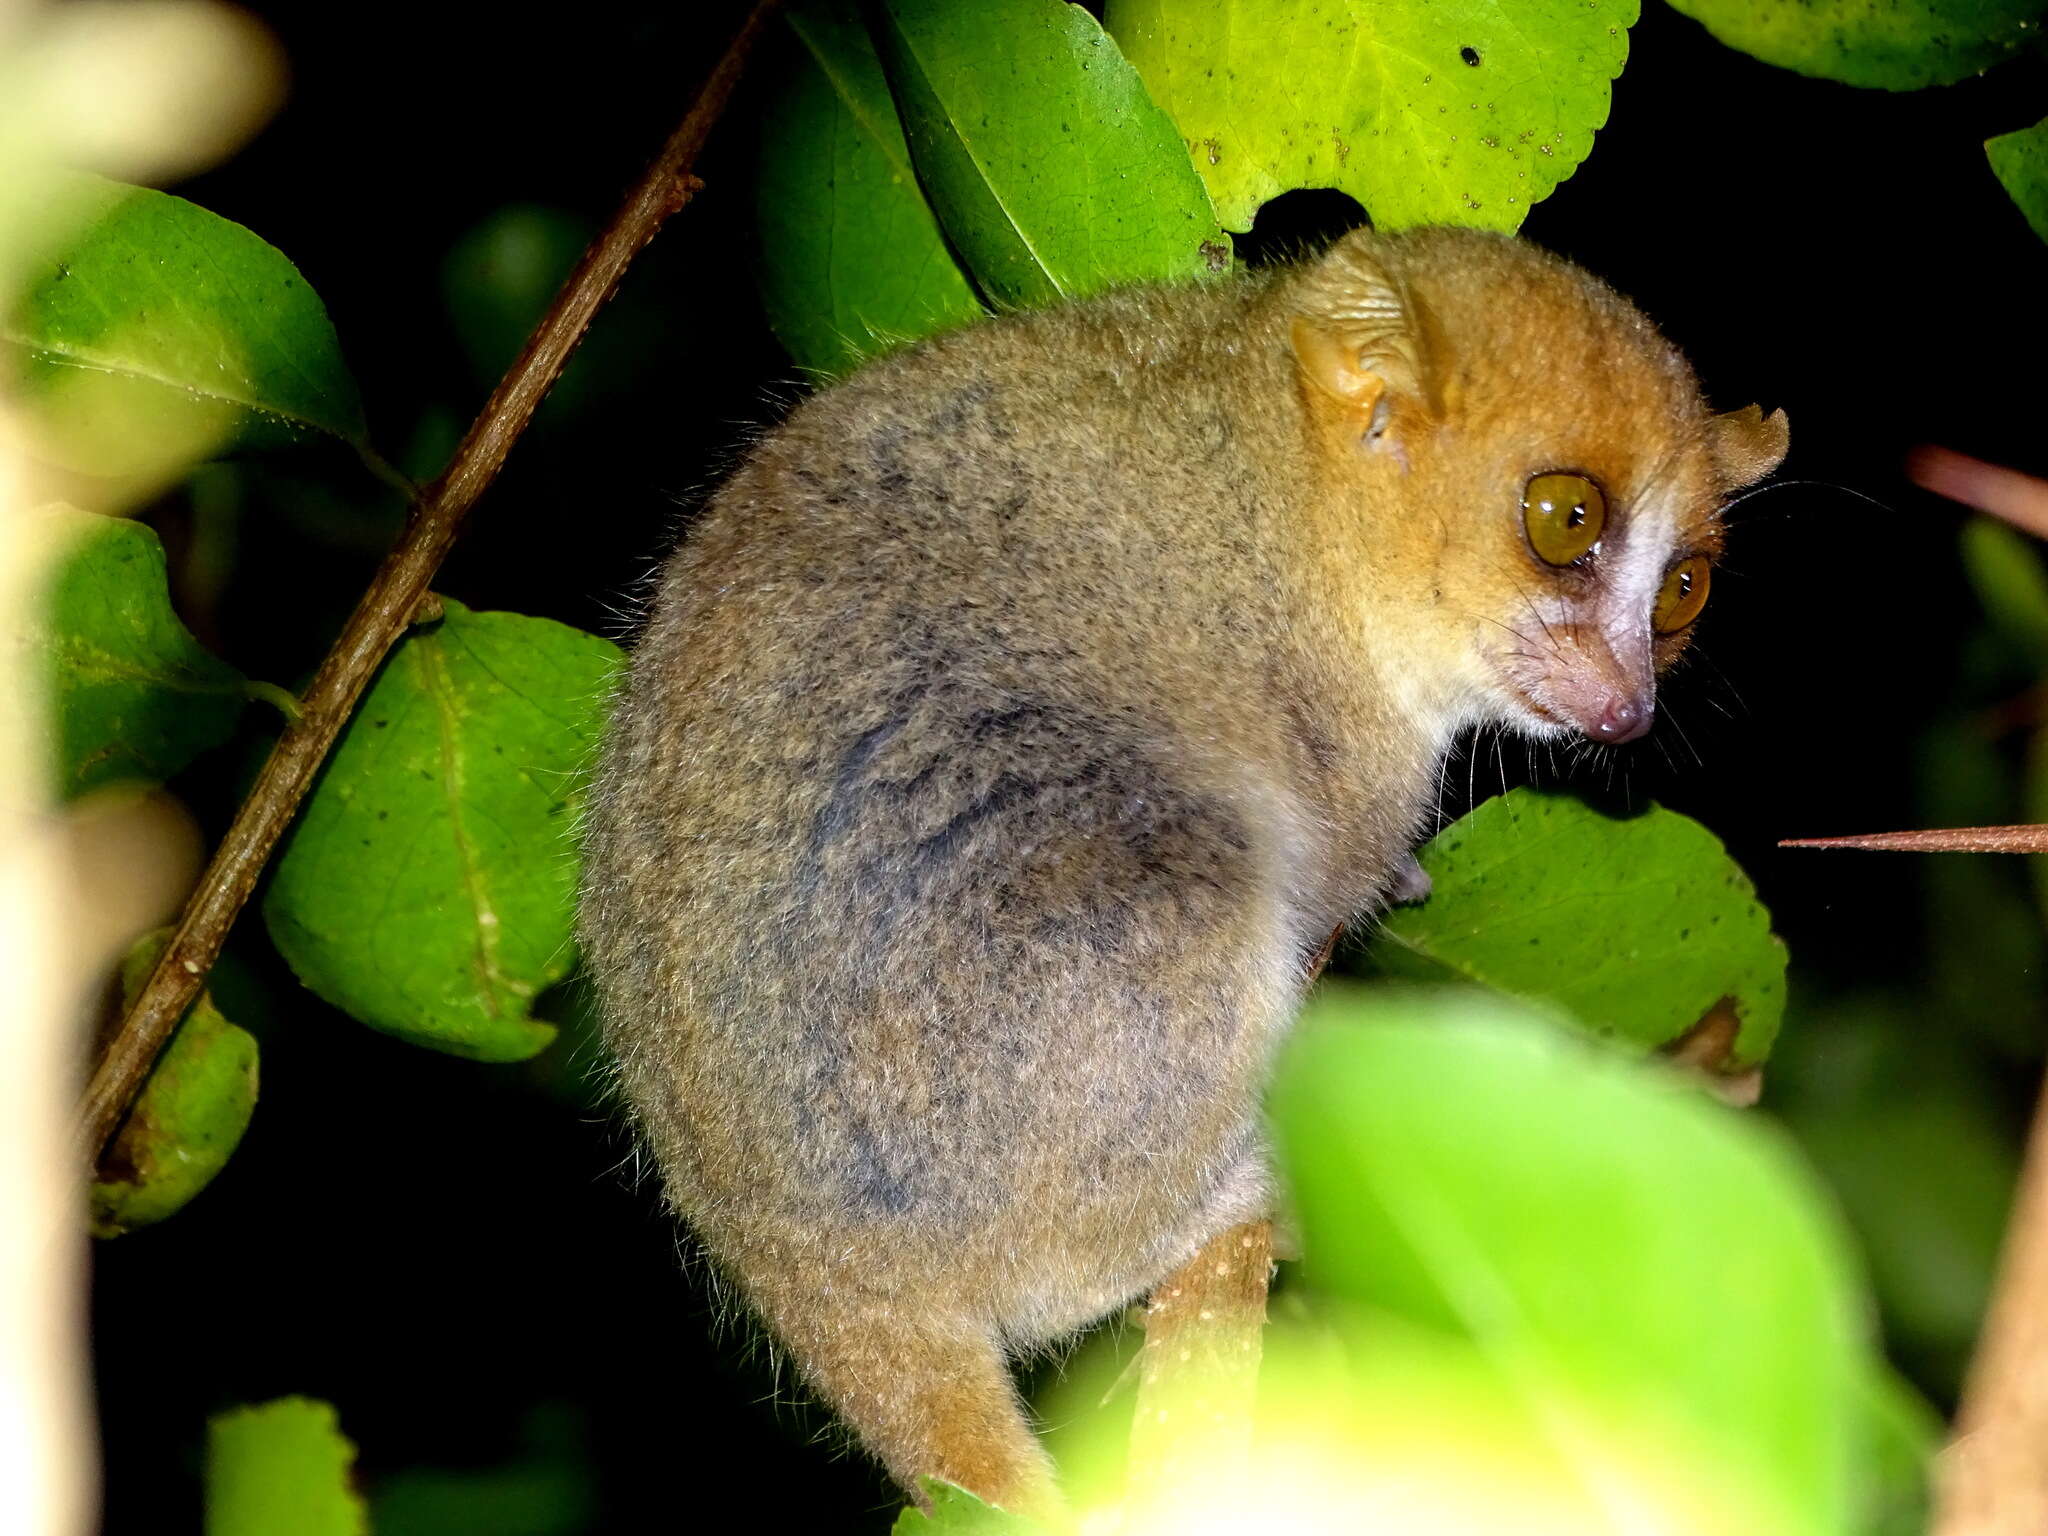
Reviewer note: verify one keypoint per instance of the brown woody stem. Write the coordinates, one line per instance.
(390, 603)
(1994, 1475)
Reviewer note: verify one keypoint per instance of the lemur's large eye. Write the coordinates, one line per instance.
(1564, 515)
(1682, 596)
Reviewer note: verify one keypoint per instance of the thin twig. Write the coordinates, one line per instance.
(2020, 839)
(1994, 1475)
(390, 603)
(2020, 499)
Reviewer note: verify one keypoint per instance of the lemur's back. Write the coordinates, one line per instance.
(918, 914)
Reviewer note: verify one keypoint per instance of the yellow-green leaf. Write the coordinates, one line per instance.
(1426, 111)
(1899, 45)
(281, 1467)
(189, 1117)
(1601, 1239)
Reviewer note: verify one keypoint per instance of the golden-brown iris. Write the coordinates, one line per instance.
(1682, 596)
(1563, 515)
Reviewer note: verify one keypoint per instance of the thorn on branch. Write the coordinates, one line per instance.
(2031, 838)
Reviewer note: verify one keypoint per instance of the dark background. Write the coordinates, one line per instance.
(457, 1255)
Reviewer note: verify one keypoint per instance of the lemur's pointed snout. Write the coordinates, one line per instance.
(1577, 679)
(1620, 717)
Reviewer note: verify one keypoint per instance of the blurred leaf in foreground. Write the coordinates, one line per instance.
(189, 1117)
(1635, 1268)
(278, 1467)
(429, 888)
(1635, 928)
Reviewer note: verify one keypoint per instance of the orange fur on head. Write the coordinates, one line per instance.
(1438, 389)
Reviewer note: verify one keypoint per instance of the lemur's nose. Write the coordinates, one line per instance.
(1620, 718)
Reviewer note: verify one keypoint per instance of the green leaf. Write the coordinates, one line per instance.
(501, 276)
(548, 1489)
(1426, 111)
(1899, 45)
(1598, 1235)
(1927, 1179)
(1052, 172)
(852, 261)
(2035, 799)
(281, 1466)
(2020, 162)
(956, 1512)
(2004, 566)
(1901, 1433)
(159, 325)
(189, 1117)
(1985, 954)
(1634, 928)
(132, 695)
(429, 888)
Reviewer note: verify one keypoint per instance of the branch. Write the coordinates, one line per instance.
(2020, 499)
(1994, 1474)
(391, 602)
(2021, 839)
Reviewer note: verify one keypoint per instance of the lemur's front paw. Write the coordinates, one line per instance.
(1411, 883)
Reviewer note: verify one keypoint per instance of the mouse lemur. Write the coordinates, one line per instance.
(1030, 706)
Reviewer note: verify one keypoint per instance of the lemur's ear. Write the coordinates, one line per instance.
(1360, 338)
(1748, 444)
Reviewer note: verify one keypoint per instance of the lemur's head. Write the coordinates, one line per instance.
(1520, 435)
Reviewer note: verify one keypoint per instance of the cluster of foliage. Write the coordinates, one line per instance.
(1581, 1271)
